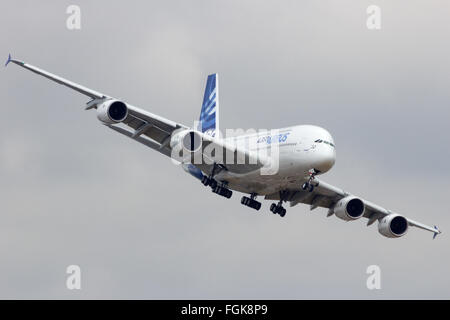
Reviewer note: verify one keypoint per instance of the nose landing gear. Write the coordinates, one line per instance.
(308, 184)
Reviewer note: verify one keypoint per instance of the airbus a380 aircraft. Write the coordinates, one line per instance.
(302, 153)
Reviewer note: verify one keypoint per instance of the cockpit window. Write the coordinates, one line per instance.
(323, 141)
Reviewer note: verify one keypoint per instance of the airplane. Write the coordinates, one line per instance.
(303, 152)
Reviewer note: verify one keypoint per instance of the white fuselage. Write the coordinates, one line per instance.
(298, 150)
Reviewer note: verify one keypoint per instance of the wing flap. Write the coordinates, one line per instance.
(145, 141)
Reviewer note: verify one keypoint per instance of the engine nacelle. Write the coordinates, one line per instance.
(393, 226)
(189, 140)
(112, 111)
(349, 208)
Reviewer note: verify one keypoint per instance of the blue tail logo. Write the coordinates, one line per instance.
(209, 115)
(9, 60)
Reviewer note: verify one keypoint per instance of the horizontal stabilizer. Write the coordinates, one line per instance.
(437, 232)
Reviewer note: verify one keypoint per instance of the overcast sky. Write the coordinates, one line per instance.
(74, 192)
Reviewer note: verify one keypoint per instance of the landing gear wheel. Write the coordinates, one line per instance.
(222, 191)
(310, 187)
(305, 186)
(205, 180)
(252, 203)
(273, 208)
(278, 209)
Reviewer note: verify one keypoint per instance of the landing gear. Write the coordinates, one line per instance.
(308, 184)
(222, 191)
(217, 188)
(251, 202)
(205, 181)
(277, 208)
(209, 181)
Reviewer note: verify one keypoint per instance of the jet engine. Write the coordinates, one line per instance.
(349, 208)
(393, 226)
(189, 140)
(112, 111)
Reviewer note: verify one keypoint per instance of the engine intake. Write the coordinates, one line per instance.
(190, 140)
(349, 208)
(112, 111)
(393, 226)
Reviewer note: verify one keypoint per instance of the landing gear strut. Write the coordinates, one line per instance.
(209, 180)
(251, 202)
(308, 184)
(277, 208)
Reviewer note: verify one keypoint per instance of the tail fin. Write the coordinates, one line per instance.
(209, 116)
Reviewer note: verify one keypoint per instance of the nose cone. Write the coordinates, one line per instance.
(326, 153)
(326, 159)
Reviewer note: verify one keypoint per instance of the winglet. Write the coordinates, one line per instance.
(437, 232)
(9, 60)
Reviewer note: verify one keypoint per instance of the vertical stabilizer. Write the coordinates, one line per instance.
(209, 116)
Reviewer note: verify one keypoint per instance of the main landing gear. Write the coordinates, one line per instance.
(251, 202)
(222, 191)
(209, 181)
(277, 208)
(217, 188)
(308, 184)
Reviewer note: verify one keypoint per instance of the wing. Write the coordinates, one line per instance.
(152, 130)
(145, 127)
(326, 196)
